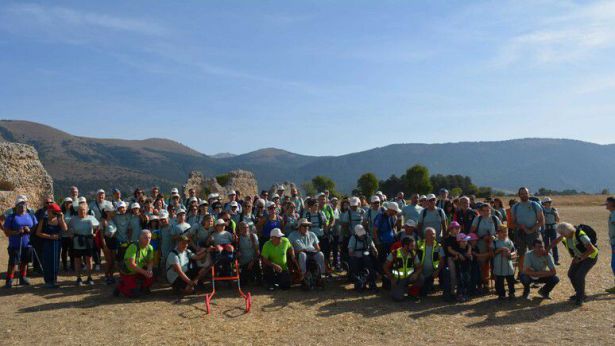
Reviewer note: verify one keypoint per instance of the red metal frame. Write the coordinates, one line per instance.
(209, 296)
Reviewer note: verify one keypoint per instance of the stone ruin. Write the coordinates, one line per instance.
(287, 186)
(22, 173)
(237, 180)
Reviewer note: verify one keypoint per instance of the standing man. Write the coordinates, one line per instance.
(433, 217)
(610, 206)
(551, 220)
(443, 198)
(529, 218)
(465, 215)
(413, 210)
(384, 235)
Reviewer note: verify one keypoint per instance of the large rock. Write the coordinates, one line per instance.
(22, 173)
(237, 180)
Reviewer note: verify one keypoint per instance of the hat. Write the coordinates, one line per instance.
(234, 204)
(174, 191)
(354, 201)
(100, 191)
(281, 188)
(410, 223)
(359, 230)
(82, 200)
(430, 197)
(108, 208)
(153, 218)
(193, 199)
(163, 214)
(422, 197)
(181, 211)
(183, 237)
(261, 202)
(67, 199)
(116, 190)
(304, 221)
(443, 190)
(135, 205)
(393, 206)
(275, 195)
(334, 199)
(203, 202)
(462, 237)
(213, 195)
(454, 224)
(374, 199)
(232, 193)
(54, 207)
(609, 200)
(21, 199)
(269, 204)
(120, 204)
(473, 236)
(379, 193)
(276, 232)
(220, 222)
(547, 200)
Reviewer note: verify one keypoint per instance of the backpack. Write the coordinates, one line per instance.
(532, 203)
(308, 216)
(589, 232)
(440, 213)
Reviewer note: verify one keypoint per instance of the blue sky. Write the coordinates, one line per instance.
(312, 77)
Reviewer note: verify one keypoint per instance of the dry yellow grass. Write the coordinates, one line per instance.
(336, 316)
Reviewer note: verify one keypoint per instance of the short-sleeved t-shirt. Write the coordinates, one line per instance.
(306, 242)
(134, 223)
(122, 222)
(451, 242)
(222, 238)
(181, 258)
(526, 213)
(247, 250)
(502, 265)
(487, 225)
(412, 212)
(538, 263)
(277, 254)
(15, 222)
(318, 220)
(145, 256)
(417, 260)
(82, 227)
(612, 228)
(549, 215)
(432, 218)
(352, 218)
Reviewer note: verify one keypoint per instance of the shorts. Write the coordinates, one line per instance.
(112, 243)
(26, 255)
(525, 241)
(76, 253)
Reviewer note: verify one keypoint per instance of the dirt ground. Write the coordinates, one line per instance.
(336, 315)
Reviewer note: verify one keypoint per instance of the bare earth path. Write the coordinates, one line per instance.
(74, 315)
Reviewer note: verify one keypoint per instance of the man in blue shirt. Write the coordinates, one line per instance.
(17, 227)
(528, 216)
(384, 233)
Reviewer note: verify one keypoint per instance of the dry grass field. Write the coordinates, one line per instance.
(336, 316)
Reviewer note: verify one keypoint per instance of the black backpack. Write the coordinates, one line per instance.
(590, 232)
(494, 219)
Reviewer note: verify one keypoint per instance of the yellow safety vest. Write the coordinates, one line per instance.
(579, 245)
(403, 266)
(435, 253)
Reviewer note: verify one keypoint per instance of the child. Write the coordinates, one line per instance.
(451, 248)
(479, 279)
(475, 277)
(463, 260)
(248, 254)
(222, 244)
(154, 227)
(503, 264)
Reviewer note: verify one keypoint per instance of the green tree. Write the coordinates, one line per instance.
(417, 180)
(309, 188)
(456, 191)
(367, 184)
(322, 183)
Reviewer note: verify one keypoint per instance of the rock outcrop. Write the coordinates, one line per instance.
(22, 173)
(237, 180)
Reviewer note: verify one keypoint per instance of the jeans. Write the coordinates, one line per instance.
(384, 249)
(399, 286)
(303, 257)
(499, 285)
(464, 278)
(577, 273)
(51, 260)
(549, 235)
(281, 279)
(67, 245)
(549, 282)
(325, 246)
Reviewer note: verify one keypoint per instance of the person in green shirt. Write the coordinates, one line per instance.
(137, 276)
(274, 256)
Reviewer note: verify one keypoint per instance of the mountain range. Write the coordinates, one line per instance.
(91, 163)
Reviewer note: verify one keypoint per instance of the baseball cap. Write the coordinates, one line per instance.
(120, 204)
(153, 218)
(454, 224)
(204, 202)
(275, 195)
(422, 198)
(67, 199)
(281, 188)
(135, 205)
(234, 204)
(54, 207)
(374, 199)
(82, 200)
(431, 196)
(21, 199)
(276, 232)
(609, 200)
(174, 191)
(410, 223)
(269, 204)
(232, 193)
(261, 202)
(163, 214)
(443, 190)
(100, 191)
(359, 230)
(547, 200)
(108, 208)
(462, 237)
(193, 199)
(354, 201)
(213, 196)
(181, 211)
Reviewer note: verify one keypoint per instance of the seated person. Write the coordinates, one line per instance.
(274, 256)
(538, 266)
(183, 277)
(137, 276)
(362, 253)
(305, 244)
(222, 244)
(403, 269)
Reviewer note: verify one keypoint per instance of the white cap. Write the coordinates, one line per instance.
(354, 201)
(547, 200)
(431, 196)
(193, 199)
(135, 205)
(281, 188)
(234, 204)
(379, 193)
(163, 214)
(174, 191)
(82, 200)
(220, 222)
(276, 232)
(108, 208)
(359, 230)
(231, 193)
(100, 191)
(374, 199)
(21, 199)
(213, 195)
(275, 195)
(393, 206)
(120, 204)
(269, 204)
(203, 202)
(322, 194)
(67, 199)
(410, 223)
(181, 210)
(261, 202)
(422, 197)
(154, 218)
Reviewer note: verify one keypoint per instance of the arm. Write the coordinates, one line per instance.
(540, 222)
(182, 275)
(555, 242)
(387, 269)
(589, 249)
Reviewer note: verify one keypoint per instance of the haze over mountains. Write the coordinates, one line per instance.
(91, 163)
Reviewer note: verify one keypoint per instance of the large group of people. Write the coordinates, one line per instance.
(282, 239)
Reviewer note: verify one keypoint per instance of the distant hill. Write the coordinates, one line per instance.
(91, 163)
(222, 155)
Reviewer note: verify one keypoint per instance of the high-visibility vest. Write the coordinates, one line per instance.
(575, 242)
(435, 253)
(403, 266)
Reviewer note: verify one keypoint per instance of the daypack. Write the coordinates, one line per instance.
(590, 232)
(441, 214)
(308, 216)
(534, 207)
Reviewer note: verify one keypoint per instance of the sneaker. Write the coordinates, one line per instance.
(90, 281)
(544, 295)
(271, 287)
(50, 285)
(24, 281)
(79, 282)
(578, 302)
(610, 290)
(501, 298)
(526, 297)
(9, 283)
(557, 263)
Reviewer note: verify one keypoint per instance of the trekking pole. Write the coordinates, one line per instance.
(38, 259)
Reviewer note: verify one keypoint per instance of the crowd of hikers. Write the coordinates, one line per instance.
(282, 239)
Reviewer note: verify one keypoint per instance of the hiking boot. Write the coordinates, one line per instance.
(9, 283)
(24, 281)
(512, 296)
(501, 297)
(526, 296)
(90, 281)
(79, 282)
